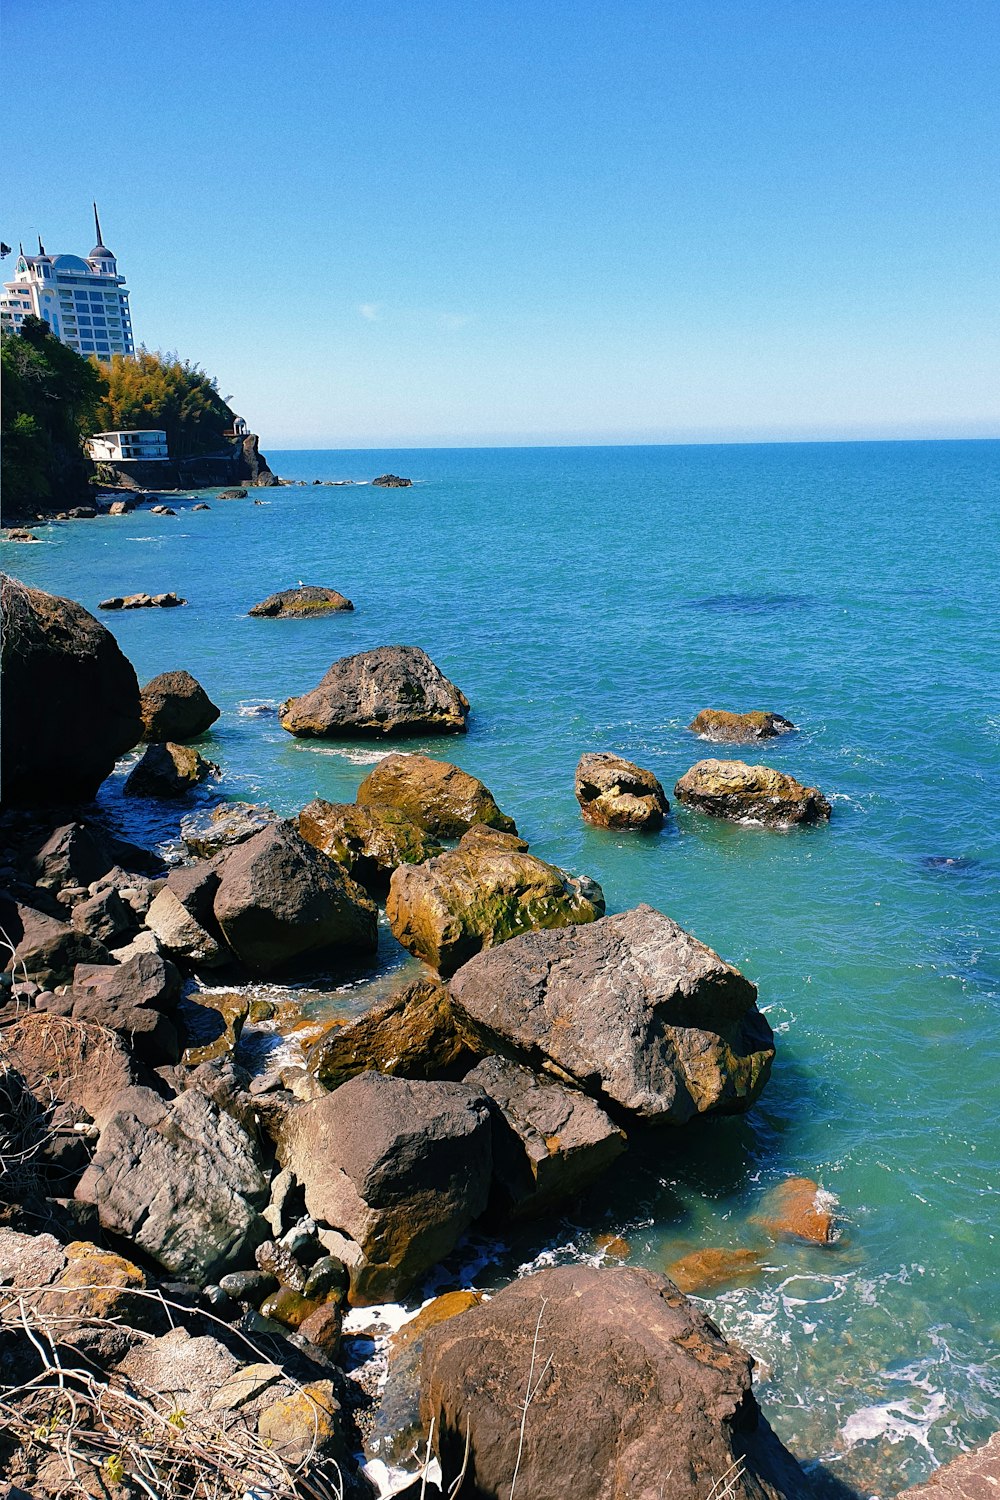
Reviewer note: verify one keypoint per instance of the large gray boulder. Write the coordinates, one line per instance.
(392, 690)
(615, 793)
(69, 699)
(549, 1142)
(440, 798)
(46, 949)
(485, 892)
(280, 899)
(400, 1168)
(175, 706)
(183, 1180)
(136, 999)
(635, 1393)
(632, 1009)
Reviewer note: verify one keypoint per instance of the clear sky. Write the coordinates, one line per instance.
(464, 221)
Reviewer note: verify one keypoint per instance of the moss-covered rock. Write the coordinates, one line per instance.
(750, 794)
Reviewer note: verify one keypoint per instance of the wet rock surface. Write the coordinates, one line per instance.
(392, 690)
(206, 834)
(168, 770)
(739, 729)
(750, 794)
(631, 1382)
(411, 1035)
(471, 898)
(615, 793)
(437, 796)
(370, 842)
(631, 1008)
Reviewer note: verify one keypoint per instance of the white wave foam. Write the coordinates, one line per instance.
(356, 757)
(896, 1421)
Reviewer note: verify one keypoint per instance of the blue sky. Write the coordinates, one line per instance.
(436, 222)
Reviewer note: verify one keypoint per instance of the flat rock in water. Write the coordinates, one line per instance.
(739, 729)
(471, 898)
(206, 834)
(175, 706)
(61, 670)
(549, 1142)
(635, 1393)
(704, 1270)
(614, 793)
(392, 690)
(301, 603)
(440, 798)
(631, 1008)
(750, 794)
(370, 842)
(279, 899)
(399, 1167)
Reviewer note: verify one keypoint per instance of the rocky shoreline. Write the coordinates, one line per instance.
(193, 1237)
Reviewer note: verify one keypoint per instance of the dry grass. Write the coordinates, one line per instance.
(138, 1438)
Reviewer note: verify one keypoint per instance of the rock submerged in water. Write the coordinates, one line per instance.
(750, 794)
(739, 729)
(61, 669)
(301, 603)
(440, 798)
(143, 601)
(175, 706)
(370, 842)
(798, 1209)
(168, 770)
(614, 793)
(397, 1168)
(392, 690)
(635, 1389)
(479, 895)
(631, 1008)
(705, 1270)
(280, 899)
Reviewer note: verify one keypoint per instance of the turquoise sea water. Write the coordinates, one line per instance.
(590, 599)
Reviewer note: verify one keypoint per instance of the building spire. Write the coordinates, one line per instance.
(97, 226)
(41, 247)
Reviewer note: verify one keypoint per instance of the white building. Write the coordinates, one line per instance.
(120, 447)
(84, 302)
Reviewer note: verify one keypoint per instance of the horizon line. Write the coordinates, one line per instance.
(421, 447)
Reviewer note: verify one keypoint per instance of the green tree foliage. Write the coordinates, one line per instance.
(163, 392)
(51, 401)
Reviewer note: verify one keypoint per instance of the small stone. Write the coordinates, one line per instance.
(248, 1286)
(323, 1328)
(280, 1263)
(305, 1423)
(328, 1277)
(286, 1306)
(244, 1385)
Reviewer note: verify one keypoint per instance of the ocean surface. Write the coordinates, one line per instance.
(595, 599)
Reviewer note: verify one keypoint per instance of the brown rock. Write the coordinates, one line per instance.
(370, 842)
(76, 1063)
(440, 798)
(614, 793)
(704, 1270)
(175, 706)
(750, 794)
(301, 603)
(800, 1209)
(323, 1327)
(45, 949)
(738, 729)
(411, 1035)
(971, 1476)
(450, 908)
(168, 771)
(632, 1388)
(390, 691)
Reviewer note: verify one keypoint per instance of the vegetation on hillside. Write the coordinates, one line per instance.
(163, 392)
(51, 402)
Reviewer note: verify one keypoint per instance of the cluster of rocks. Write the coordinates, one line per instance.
(169, 600)
(392, 482)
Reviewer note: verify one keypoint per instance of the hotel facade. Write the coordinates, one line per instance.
(84, 300)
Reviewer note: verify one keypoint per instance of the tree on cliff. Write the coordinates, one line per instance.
(163, 392)
(51, 401)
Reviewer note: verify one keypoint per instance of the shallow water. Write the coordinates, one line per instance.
(596, 599)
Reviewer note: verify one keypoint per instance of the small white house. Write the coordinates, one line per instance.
(121, 447)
